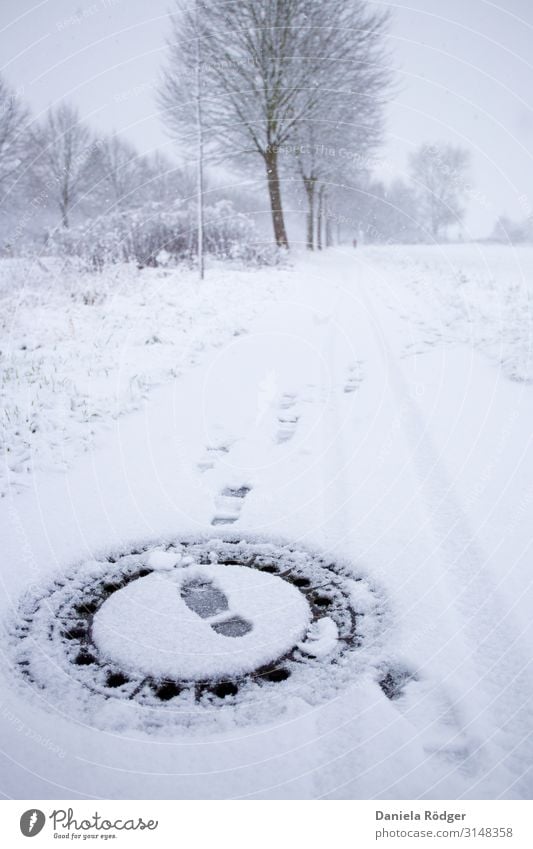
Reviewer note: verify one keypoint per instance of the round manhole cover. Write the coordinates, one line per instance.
(170, 633)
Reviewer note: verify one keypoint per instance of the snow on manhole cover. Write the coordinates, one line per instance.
(200, 622)
(173, 632)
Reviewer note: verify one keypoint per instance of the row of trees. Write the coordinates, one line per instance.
(419, 208)
(507, 230)
(250, 80)
(301, 87)
(58, 169)
(297, 86)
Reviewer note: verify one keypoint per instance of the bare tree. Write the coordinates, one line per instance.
(508, 231)
(332, 155)
(67, 157)
(165, 181)
(268, 59)
(320, 217)
(182, 98)
(257, 66)
(334, 140)
(265, 67)
(123, 170)
(198, 96)
(439, 174)
(400, 222)
(14, 118)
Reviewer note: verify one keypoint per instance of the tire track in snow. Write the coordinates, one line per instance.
(335, 485)
(496, 651)
(364, 747)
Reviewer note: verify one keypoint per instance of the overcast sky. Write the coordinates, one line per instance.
(464, 72)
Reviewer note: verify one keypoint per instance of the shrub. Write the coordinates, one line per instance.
(154, 234)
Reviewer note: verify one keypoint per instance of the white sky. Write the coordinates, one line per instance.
(464, 71)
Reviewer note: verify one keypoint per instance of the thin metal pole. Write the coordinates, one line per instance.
(200, 140)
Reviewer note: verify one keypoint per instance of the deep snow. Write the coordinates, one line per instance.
(377, 407)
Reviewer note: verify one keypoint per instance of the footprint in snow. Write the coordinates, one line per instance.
(394, 681)
(287, 418)
(229, 504)
(355, 377)
(442, 733)
(212, 454)
(209, 602)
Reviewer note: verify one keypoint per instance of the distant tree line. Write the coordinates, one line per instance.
(59, 172)
(422, 207)
(509, 231)
(293, 90)
(65, 189)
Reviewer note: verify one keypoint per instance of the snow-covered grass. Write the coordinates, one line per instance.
(479, 295)
(80, 349)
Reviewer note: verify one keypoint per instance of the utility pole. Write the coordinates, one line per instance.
(200, 150)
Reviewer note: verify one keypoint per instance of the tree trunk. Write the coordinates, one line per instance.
(319, 218)
(309, 184)
(310, 222)
(274, 191)
(64, 215)
(329, 233)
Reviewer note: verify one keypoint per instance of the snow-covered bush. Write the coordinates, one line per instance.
(155, 235)
(233, 235)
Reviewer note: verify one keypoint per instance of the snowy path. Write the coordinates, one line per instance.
(496, 658)
(314, 427)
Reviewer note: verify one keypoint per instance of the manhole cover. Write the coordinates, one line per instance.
(173, 632)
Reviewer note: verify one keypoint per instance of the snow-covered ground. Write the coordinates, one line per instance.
(372, 405)
(79, 350)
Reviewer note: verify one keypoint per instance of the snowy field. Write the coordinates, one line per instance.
(361, 420)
